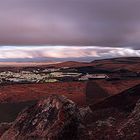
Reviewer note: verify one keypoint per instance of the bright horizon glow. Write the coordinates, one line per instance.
(65, 52)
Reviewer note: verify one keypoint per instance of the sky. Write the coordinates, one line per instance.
(69, 29)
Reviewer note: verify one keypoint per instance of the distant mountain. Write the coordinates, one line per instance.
(128, 63)
(112, 64)
(38, 59)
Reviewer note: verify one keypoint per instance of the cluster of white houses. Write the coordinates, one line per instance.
(57, 74)
(93, 76)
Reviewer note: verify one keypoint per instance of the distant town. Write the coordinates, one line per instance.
(64, 74)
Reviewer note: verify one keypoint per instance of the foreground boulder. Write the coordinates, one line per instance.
(54, 118)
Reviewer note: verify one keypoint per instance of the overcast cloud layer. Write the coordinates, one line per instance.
(111, 25)
(70, 22)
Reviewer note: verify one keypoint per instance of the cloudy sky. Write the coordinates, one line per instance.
(69, 29)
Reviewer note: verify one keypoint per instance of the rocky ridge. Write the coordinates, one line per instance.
(53, 118)
(58, 118)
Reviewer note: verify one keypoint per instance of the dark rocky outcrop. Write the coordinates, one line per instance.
(58, 118)
(130, 129)
(54, 118)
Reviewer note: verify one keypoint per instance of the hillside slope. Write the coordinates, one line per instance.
(123, 101)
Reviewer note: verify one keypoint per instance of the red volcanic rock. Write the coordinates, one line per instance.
(54, 118)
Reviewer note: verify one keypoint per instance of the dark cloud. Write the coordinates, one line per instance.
(70, 22)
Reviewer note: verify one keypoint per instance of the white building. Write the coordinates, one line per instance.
(94, 76)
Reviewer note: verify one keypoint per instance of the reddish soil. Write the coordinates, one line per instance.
(115, 87)
(25, 92)
(77, 91)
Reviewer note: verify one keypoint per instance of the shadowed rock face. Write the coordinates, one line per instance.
(131, 128)
(53, 118)
(4, 127)
(58, 118)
